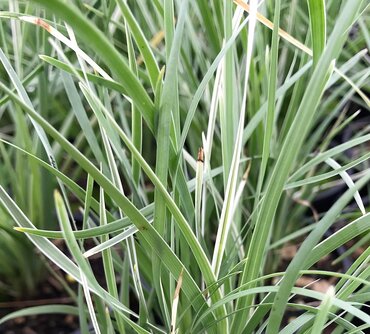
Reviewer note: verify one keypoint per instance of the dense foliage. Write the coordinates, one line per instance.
(208, 161)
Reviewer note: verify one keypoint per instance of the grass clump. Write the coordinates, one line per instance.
(189, 144)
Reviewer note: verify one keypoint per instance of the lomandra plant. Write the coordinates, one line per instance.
(195, 138)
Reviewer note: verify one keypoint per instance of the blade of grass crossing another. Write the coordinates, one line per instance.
(125, 235)
(111, 84)
(339, 238)
(321, 157)
(327, 175)
(347, 179)
(283, 34)
(336, 302)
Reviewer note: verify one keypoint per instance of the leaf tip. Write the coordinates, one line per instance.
(201, 155)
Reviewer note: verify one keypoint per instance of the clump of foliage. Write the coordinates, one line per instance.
(194, 139)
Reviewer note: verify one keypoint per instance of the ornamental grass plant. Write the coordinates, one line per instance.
(210, 156)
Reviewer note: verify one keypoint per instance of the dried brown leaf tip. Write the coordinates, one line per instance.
(176, 303)
(43, 24)
(201, 154)
(37, 21)
(246, 174)
(179, 284)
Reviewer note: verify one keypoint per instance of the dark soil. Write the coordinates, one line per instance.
(49, 292)
(51, 324)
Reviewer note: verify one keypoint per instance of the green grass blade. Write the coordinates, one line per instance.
(328, 154)
(136, 123)
(84, 327)
(91, 77)
(271, 95)
(108, 263)
(228, 108)
(349, 232)
(324, 176)
(82, 118)
(199, 229)
(37, 310)
(347, 179)
(88, 200)
(141, 41)
(318, 27)
(323, 312)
